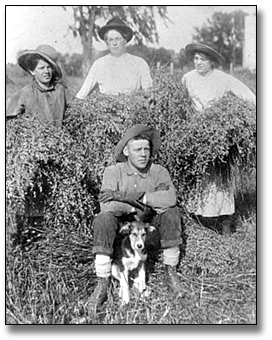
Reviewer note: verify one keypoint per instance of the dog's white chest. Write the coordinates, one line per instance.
(132, 262)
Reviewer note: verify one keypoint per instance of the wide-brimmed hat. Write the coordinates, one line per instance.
(134, 131)
(47, 52)
(118, 25)
(210, 51)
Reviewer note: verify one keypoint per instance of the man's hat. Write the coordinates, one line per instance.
(47, 52)
(118, 25)
(134, 131)
(192, 48)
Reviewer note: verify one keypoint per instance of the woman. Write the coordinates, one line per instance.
(206, 85)
(118, 72)
(46, 97)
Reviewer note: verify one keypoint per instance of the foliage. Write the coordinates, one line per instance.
(226, 32)
(221, 142)
(71, 161)
(71, 64)
(151, 55)
(182, 59)
(50, 275)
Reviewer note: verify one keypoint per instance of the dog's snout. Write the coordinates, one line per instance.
(139, 245)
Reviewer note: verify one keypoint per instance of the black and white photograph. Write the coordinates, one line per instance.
(131, 171)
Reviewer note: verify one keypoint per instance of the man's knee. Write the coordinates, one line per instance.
(104, 218)
(173, 216)
(171, 227)
(104, 226)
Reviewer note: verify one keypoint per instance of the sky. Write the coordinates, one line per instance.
(29, 26)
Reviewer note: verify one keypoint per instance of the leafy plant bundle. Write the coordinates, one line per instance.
(59, 171)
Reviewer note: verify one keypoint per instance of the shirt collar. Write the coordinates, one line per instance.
(134, 171)
(35, 84)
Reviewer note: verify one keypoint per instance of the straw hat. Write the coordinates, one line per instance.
(192, 48)
(47, 52)
(136, 130)
(118, 25)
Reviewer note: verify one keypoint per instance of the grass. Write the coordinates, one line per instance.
(218, 275)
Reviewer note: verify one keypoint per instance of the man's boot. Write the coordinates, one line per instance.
(172, 280)
(99, 295)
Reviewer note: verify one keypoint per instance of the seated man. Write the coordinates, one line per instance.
(136, 185)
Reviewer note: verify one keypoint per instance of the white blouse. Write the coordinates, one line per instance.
(116, 75)
(207, 89)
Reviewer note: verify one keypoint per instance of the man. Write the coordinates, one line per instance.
(118, 72)
(136, 185)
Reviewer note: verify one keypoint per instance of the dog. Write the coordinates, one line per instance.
(129, 257)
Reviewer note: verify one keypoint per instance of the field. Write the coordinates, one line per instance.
(50, 283)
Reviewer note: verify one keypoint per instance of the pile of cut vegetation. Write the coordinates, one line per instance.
(49, 268)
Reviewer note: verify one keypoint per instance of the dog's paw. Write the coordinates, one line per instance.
(124, 297)
(146, 292)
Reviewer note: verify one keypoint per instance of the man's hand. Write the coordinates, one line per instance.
(146, 214)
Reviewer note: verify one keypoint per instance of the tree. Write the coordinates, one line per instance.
(71, 64)
(226, 32)
(182, 60)
(87, 22)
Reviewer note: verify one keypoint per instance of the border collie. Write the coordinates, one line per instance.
(129, 257)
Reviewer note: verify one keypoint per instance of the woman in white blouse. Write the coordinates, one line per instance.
(118, 72)
(206, 84)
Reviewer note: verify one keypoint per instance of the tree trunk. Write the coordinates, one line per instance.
(87, 43)
(87, 59)
(234, 56)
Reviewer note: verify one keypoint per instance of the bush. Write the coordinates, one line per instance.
(61, 170)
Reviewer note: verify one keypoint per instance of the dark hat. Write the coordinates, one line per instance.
(134, 131)
(192, 48)
(47, 52)
(118, 25)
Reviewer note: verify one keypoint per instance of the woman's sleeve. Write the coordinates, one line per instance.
(15, 105)
(240, 89)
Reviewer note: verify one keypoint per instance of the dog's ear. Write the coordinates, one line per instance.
(150, 228)
(125, 228)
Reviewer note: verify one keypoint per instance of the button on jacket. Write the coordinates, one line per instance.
(121, 177)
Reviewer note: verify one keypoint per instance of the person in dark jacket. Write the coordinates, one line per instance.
(46, 97)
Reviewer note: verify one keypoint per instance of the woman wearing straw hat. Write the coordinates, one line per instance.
(206, 84)
(118, 72)
(46, 97)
